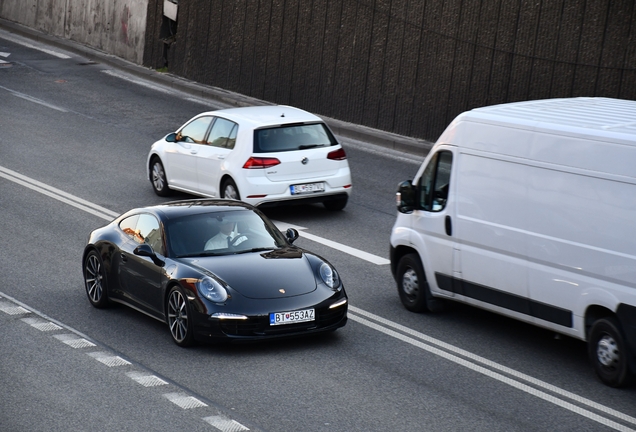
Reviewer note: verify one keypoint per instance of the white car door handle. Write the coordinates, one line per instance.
(220, 157)
(193, 151)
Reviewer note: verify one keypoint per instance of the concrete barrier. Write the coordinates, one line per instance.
(117, 27)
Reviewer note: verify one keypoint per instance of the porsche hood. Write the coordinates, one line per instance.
(263, 275)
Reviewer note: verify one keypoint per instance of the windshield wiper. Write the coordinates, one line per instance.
(258, 249)
(200, 254)
(308, 146)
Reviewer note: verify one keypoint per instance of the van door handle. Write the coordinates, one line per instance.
(448, 225)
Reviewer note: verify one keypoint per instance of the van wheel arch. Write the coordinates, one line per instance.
(412, 285)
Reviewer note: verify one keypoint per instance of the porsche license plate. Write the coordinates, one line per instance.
(304, 315)
(307, 188)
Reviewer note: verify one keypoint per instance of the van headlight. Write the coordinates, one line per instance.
(329, 276)
(212, 290)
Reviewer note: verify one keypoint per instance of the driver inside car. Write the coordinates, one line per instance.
(227, 236)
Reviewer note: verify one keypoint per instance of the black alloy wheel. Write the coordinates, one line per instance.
(179, 318)
(158, 178)
(609, 353)
(95, 280)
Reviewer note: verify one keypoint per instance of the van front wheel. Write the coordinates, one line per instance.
(413, 288)
(609, 353)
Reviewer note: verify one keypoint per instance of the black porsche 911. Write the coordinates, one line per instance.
(213, 269)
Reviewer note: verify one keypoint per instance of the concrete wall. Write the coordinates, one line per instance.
(117, 27)
(403, 66)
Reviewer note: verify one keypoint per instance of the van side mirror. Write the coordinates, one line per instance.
(405, 197)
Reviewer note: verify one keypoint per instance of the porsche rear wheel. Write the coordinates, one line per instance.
(179, 318)
(95, 280)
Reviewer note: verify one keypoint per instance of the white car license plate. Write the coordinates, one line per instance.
(307, 188)
(279, 318)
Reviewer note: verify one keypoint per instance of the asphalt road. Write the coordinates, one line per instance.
(74, 135)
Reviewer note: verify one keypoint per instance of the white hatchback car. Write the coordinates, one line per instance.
(260, 155)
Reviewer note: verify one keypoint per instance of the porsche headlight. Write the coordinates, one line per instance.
(212, 290)
(329, 276)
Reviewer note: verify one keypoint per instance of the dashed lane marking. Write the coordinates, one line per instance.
(41, 324)
(108, 359)
(74, 341)
(225, 424)
(12, 309)
(184, 401)
(146, 380)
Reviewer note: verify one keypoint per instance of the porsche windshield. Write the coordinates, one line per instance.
(221, 233)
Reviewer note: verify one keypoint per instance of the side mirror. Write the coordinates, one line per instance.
(146, 251)
(172, 137)
(291, 235)
(405, 197)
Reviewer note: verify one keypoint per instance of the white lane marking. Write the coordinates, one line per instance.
(11, 309)
(58, 194)
(109, 215)
(32, 99)
(143, 378)
(146, 379)
(4, 54)
(142, 83)
(225, 424)
(41, 324)
(22, 42)
(73, 341)
(374, 259)
(489, 363)
(184, 401)
(108, 359)
(161, 88)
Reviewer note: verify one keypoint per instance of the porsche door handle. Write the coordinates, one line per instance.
(123, 257)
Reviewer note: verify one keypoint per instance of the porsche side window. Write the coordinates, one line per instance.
(194, 132)
(223, 133)
(129, 225)
(435, 182)
(149, 232)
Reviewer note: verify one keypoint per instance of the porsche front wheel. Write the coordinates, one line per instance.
(95, 280)
(179, 318)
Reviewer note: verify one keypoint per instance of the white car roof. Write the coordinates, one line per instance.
(266, 115)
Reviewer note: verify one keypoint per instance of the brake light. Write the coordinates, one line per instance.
(337, 154)
(256, 163)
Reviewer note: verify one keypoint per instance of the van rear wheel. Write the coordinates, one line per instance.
(413, 288)
(609, 353)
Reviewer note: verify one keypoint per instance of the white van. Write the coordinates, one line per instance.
(528, 209)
